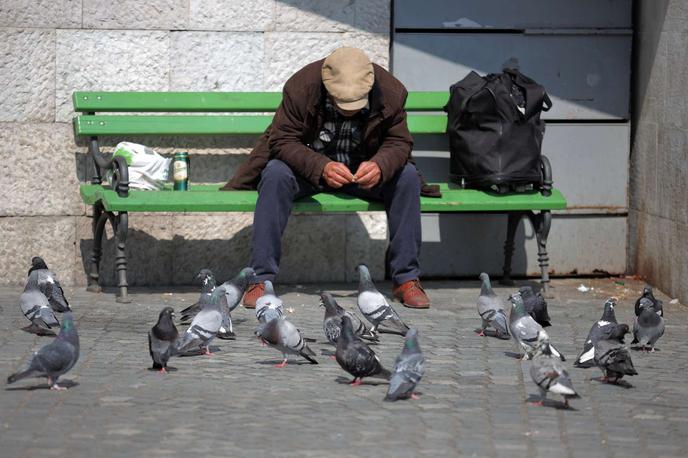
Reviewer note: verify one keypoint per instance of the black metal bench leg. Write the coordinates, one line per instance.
(542, 223)
(100, 217)
(121, 228)
(511, 226)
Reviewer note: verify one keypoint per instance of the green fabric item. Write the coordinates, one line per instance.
(208, 198)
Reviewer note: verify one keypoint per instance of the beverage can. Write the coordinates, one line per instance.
(180, 171)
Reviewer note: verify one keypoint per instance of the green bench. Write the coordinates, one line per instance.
(185, 116)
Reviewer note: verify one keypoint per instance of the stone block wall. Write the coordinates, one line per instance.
(48, 49)
(658, 219)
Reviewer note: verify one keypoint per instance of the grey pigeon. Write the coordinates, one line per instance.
(269, 305)
(281, 334)
(604, 328)
(646, 299)
(549, 373)
(54, 359)
(41, 278)
(204, 327)
(408, 369)
(536, 306)
(648, 328)
(375, 307)
(332, 322)
(491, 309)
(162, 338)
(208, 286)
(229, 294)
(356, 357)
(525, 329)
(36, 308)
(614, 360)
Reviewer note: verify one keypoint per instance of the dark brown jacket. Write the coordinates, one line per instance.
(299, 119)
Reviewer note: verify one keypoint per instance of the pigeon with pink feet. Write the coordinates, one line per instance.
(54, 359)
(161, 339)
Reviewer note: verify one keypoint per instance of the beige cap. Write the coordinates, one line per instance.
(348, 76)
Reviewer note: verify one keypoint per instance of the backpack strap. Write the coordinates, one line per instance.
(536, 97)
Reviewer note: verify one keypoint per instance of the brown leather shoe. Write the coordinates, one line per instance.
(412, 295)
(253, 292)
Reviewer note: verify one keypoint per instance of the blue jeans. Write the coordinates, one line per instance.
(278, 188)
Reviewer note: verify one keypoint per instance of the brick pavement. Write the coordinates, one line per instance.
(237, 404)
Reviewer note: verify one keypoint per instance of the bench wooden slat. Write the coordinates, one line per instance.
(98, 102)
(206, 198)
(95, 125)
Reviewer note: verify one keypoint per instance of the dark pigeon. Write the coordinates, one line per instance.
(356, 357)
(525, 330)
(549, 373)
(408, 369)
(491, 309)
(647, 299)
(375, 307)
(648, 328)
(162, 338)
(605, 328)
(536, 305)
(614, 360)
(41, 278)
(332, 322)
(281, 334)
(54, 359)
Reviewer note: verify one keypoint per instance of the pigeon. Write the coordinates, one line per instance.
(614, 360)
(36, 308)
(161, 339)
(375, 307)
(208, 279)
(204, 327)
(648, 328)
(281, 334)
(356, 357)
(41, 278)
(605, 328)
(229, 293)
(648, 298)
(332, 322)
(408, 369)
(54, 359)
(536, 306)
(491, 309)
(269, 305)
(548, 372)
(525, 329)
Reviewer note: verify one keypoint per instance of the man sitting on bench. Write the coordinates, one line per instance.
(351, 137)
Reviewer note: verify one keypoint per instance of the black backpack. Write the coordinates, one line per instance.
(495, 131)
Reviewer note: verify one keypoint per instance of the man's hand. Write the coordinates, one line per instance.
(368, 174)
(337, 175)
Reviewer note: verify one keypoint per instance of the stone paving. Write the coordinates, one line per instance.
(237, 404)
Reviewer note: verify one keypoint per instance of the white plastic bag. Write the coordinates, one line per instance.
(147, 169)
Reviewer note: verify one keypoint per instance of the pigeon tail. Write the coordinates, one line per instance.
(384, 373)
(48, 317)
(20, 375)
(500, 326)
(308, 354)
